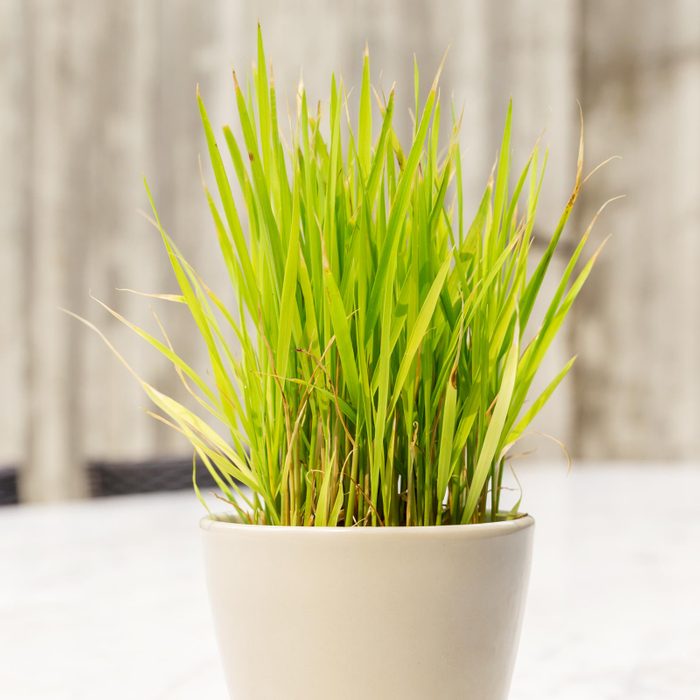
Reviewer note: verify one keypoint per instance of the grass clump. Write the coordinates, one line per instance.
(372, 368)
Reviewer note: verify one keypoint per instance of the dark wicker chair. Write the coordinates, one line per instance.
(8, 486)
(107, 478)
(122, 478)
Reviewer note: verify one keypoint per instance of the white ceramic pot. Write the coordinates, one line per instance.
(306, 613)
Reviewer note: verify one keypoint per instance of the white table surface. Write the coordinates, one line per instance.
(106, 599)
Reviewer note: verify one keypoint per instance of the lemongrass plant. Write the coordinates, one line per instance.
(368, 363)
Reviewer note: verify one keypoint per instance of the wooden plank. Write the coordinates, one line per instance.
(636, 327)
(15, 221)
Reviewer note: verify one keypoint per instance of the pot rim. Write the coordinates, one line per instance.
(209, 523)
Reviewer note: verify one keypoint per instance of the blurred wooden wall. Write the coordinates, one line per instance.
(95, 95)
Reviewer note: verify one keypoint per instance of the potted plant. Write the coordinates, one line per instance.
(369, 373)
